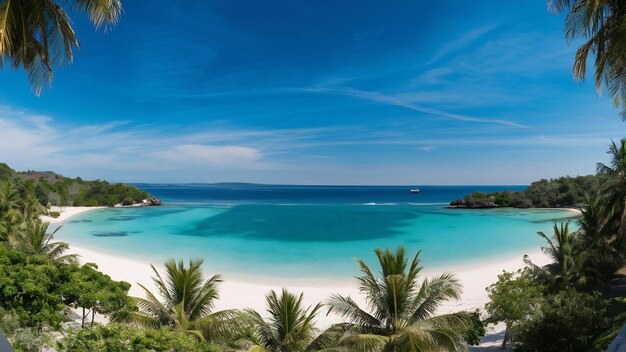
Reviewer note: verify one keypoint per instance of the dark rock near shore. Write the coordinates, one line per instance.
(152, 201)
(462, 204)
(148, 202)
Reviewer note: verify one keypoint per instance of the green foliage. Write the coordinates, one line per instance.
(22, 339)
(35, 36)
(290, 327)
(49, 188)
(566, 321)
(30, 288)
(33, 238)
(123, 338)
(6, 173)
(97, 293)
(187, 301)
(54, 214)
(401, 316)
(512, 299)
(597, 26)
(475, 327)
(555, 193)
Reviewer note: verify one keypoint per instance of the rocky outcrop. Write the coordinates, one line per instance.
(462, 204)
(151, 201)
(148, 202)
(458, 203)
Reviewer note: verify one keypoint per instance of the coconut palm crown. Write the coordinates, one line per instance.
(613, 190)
(36, 35)
(401, 314)
(600, 23)
(186, 295)
(35, 239)
(290, 327)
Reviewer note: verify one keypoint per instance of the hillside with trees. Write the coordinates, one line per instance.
(51, 188)
(553, 193)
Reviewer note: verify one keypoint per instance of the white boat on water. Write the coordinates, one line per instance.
(415, 190)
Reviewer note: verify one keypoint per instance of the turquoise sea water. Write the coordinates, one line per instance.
(289, 233)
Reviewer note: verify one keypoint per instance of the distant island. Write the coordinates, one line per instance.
(562, 192)
(52, 189)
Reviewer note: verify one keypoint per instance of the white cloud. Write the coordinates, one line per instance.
(461, 42)
(396, 101)
(206, 153)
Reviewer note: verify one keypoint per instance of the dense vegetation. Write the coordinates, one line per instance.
(569, 304)
(42, 288)
(554, 193)
(50, 188)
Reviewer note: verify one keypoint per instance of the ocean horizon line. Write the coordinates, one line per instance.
(314, 185)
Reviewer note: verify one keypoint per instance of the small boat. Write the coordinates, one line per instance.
(415, 190)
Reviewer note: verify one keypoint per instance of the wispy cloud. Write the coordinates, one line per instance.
(459, 43)
(396, 101)
(131, 152)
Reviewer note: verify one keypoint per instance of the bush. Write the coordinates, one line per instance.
(567, 321)
(54, 214)
(29, 288)
(91, 203)
(114, 337)
(475, 328)
(22, 339)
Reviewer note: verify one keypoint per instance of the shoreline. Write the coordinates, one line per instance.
(67, 212)
(236, 293)
(246, 292)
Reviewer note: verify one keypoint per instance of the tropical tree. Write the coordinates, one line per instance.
(290, 328)
(401, 310)
(512, 299)
(96, 293)
(36, 35)
(187, 301)
(561, 250)
(601, 24)
(613, 190)
(600, 250)
(35, 239)
(10, 216)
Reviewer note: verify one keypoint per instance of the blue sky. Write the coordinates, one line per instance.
(314, 92)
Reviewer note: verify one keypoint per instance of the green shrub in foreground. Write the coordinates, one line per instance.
(118, 338)
(567, 321)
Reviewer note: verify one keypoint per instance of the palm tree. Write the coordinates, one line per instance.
(188, 301)
(9, 197)
(401, 316)
(600, 23)
(600, 250)
(9, 213)
(35, 239)
(31, 209)
(613, 190)
(290, 328)
(561, 248)
(36, 35)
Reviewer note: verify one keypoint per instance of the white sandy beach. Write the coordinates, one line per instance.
(66, 213)
(250, 293)
(241, 294)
